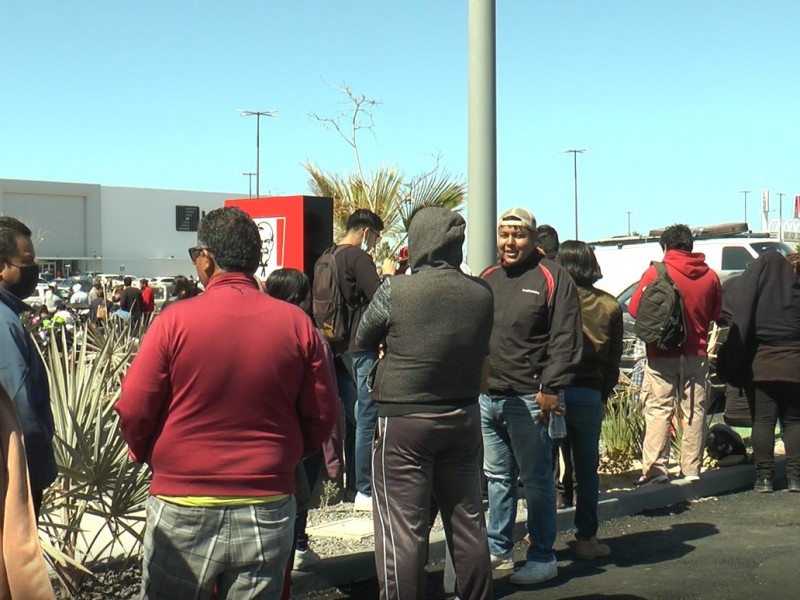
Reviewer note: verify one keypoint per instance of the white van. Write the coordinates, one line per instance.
(624, 260)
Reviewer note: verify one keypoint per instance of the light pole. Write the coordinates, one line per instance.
(258, 114)
(745, 192)
(250, 181)
(575, 153)
(780, 215)
(629, 213)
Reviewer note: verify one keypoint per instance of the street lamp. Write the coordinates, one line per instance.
(575, 153)
(745, 192)
(258, 114)
(629, 213)
(250, 181)
(780, 215)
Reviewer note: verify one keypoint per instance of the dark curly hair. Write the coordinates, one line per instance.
(232, 238)
(677, 237)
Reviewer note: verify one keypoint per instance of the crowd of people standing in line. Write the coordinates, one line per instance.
(442, 376)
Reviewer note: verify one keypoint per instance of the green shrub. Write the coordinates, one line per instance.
(95, 508)
(622, 432)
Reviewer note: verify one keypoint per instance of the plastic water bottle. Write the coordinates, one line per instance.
(557, 427)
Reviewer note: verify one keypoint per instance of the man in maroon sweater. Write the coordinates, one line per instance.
(678, 377)
(228, 392)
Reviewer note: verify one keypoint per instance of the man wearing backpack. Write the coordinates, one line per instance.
(358, 281)
(678, 375)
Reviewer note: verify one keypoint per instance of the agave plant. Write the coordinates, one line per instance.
(95, 509)
(622, 431)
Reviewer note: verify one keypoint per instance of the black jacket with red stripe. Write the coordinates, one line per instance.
(537, 339)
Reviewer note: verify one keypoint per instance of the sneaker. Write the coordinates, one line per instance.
(647, 480)
(793, 485)
(502, 562)
(763, 485)
(362, 502)
(691, 478)
(590, 549)
(304, 559)
(535, 572)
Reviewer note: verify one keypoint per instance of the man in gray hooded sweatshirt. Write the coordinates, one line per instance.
(436, 325)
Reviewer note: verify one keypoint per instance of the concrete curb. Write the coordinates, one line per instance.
(341, 570)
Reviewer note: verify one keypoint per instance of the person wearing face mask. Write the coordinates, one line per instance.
(22, 371)
(358, 279)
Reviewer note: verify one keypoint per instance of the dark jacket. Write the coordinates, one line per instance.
(601, 317)
(358, 280)
(702, 299)
(436, 322)
(23, 376)
(537, 339)
(765, 316)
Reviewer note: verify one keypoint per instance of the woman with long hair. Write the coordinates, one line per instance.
(293, 286)
(592, 383)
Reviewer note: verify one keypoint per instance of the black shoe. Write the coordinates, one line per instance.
(763, 485)
(793, 485)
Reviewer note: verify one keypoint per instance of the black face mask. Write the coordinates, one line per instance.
(28, 278)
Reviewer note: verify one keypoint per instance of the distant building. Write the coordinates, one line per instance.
(95, 228)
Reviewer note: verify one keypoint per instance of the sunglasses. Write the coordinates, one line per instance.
(195, 252)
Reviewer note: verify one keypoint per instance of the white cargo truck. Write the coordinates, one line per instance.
(728, 247)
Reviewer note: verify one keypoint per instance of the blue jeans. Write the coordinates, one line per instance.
(359, 365)
(584, 418)
(516, 446)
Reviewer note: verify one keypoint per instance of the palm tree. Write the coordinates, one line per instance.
(389, 194)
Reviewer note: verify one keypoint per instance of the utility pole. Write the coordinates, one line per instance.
(258, 114)
(250, 181)
(629, 213)
(780, 216)
(575, 171)
(745, 192)
(481, 134)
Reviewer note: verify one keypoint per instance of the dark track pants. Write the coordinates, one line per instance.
(414, 457)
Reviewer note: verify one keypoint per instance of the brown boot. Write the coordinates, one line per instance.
(590, 549)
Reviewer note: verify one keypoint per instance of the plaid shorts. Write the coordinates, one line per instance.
(242, 550)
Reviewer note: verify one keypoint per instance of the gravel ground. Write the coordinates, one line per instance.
(123, 582)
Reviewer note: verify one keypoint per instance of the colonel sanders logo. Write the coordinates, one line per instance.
(271, 230)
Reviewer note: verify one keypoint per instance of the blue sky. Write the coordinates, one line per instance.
(681, 104)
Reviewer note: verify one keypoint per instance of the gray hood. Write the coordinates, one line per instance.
(435, 239)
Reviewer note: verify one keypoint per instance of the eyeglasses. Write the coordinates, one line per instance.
(195, 252)
(377, 236)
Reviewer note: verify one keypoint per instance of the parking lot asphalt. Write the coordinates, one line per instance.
(714, 538)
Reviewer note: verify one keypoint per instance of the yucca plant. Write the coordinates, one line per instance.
(622, 432)
(95, 509)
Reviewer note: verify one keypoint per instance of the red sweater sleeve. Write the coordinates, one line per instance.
(318, 404)
(145, 392)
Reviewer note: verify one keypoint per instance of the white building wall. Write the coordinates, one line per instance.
(139, 234)
(108, 229)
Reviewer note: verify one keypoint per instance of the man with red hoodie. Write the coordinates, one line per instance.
(678, 376)
(228, 392)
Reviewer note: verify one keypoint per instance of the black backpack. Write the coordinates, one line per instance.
(722, 442)
(331, 311)
(660, 320)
